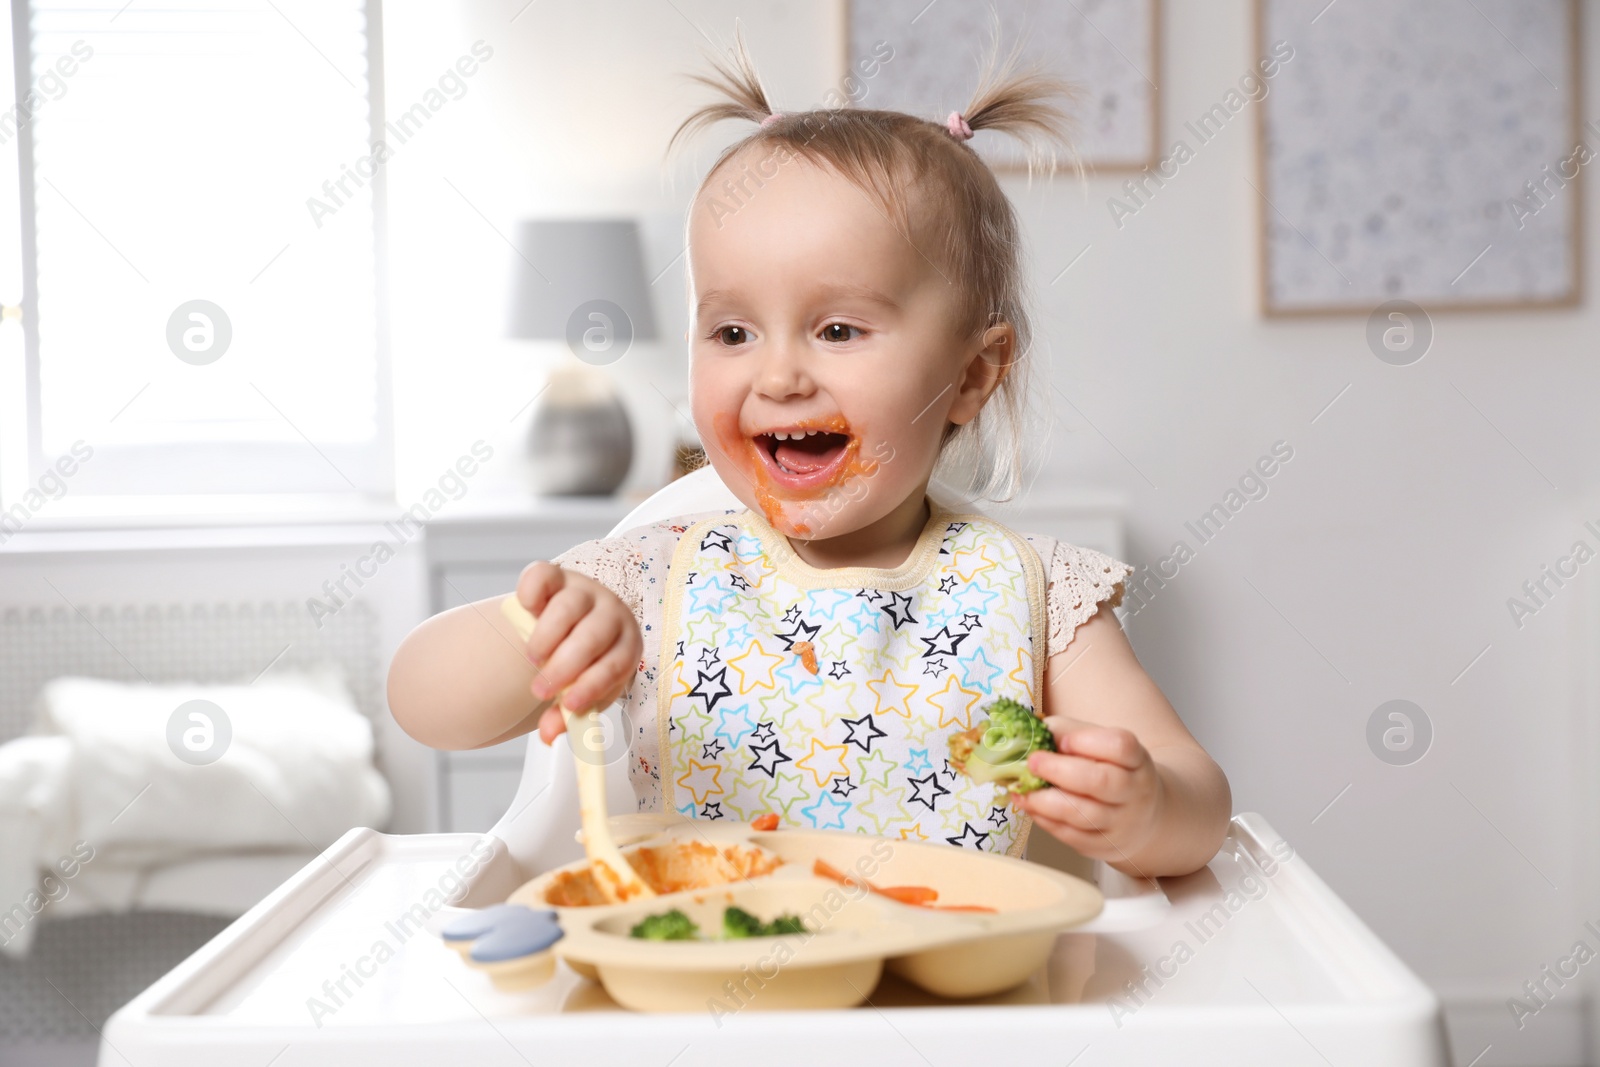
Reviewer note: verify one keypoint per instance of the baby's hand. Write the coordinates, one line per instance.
(586, 642)
(1108, 793)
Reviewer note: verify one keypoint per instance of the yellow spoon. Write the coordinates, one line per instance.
(618, 881)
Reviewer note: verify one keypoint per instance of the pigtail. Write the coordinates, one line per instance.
(989, 457)
(1018, 101)
(737, 82)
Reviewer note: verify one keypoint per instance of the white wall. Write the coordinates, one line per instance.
(1389, 544)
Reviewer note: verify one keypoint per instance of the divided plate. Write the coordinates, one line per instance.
(851, 934)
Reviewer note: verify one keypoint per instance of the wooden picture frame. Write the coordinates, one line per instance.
(938, 47)
(1392, 159)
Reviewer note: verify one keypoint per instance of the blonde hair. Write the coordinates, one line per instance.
(899, 159)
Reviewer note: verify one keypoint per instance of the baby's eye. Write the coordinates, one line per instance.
(722, 332)
(830, 332)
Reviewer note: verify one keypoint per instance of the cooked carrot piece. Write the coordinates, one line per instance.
(909, 894)
(824, 869)
(769, 821)
(916, 895)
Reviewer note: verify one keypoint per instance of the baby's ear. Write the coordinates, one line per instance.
(999, 348)
(985, 370)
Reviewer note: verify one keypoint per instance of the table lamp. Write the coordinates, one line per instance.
(581, 282)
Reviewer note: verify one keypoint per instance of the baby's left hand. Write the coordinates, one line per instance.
(1108, 794)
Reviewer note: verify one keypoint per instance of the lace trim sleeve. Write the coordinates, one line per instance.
(614, 563)
(1080, 578)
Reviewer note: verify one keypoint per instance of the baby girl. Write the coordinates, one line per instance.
(857, 320)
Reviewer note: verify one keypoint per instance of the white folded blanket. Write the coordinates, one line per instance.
(98, 782)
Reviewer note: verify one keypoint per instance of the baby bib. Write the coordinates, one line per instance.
(826, 695)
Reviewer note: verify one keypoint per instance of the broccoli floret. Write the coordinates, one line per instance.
(669, 926)
(997, 750)
(785, 924)
(736, 922)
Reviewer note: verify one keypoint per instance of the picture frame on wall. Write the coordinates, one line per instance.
(1112, 48)
(1431, 153)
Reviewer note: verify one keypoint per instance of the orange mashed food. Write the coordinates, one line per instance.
(666, 869)
(741, 450)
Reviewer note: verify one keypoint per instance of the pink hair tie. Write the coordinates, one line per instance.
(958, 127)
(770, 119)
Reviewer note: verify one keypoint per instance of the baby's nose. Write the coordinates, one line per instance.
(784, 372)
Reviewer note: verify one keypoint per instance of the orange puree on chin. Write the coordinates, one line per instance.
(742, 450)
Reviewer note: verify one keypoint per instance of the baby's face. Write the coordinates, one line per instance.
(824, 364)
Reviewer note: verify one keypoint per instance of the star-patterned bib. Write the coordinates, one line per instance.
(827, 696)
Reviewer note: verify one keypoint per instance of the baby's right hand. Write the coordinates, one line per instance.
(587, 642)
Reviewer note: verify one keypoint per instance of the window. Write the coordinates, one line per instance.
(201, 236)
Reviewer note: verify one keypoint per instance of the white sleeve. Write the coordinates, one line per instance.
(614, 562)
(1079, 579)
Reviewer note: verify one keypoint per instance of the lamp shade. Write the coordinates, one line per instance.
(563, 266)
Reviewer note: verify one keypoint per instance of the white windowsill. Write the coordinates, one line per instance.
(136, 512)
(147, 512)
(142, 523)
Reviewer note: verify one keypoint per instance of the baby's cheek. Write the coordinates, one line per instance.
(899, 462)
(726, 447)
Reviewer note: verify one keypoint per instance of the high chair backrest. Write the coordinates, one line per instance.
(699, 490)
(540, 826)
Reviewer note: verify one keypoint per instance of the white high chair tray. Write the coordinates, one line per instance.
(1252, 960)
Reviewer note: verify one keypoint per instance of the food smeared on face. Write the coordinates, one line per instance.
(808, 454)
(792, 464)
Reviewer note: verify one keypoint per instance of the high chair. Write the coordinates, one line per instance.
(1251, 960)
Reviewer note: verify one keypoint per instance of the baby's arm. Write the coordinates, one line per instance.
(464, 679)
(1133, 786)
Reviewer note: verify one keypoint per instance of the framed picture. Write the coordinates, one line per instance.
(1428, 152)
(934, 49)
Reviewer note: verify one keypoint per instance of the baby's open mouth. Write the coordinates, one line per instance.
(802, 458)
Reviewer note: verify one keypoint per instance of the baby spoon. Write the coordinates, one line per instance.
(618, 881)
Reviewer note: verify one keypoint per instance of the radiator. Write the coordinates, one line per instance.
(164, 643)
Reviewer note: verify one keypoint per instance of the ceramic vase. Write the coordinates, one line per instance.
(580, 442)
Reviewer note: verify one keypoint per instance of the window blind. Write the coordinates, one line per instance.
(198, 325)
